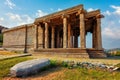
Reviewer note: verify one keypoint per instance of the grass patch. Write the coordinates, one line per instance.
(79, 73)
(64, 73)
(7, 53)
(86, 74)
(5, 65)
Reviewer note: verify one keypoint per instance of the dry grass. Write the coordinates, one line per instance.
(50, 74)
(7, 53)
(72, 74)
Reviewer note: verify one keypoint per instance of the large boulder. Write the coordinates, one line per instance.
(29, 67)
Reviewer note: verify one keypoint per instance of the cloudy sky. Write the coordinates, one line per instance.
(17, 12)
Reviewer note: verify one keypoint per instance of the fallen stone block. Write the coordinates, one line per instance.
(26, 68)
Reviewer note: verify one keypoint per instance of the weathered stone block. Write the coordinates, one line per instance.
(26, 68)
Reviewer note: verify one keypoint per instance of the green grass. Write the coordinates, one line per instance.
(5, 65)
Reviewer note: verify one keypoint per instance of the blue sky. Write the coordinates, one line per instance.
(17, 12)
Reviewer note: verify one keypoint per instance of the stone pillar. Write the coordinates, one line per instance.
(26, 38)
(75, 41)
(58, 39)
(40, 37)
(69, 36)
(99, 38)
(82, 31)
(53, 37)
(64, 31)
(36, 37)
(94, 37)
(72, 43)
(46, 36)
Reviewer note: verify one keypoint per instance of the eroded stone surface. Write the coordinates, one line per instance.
(28, 67)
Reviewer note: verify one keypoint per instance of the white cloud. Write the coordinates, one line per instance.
(12, 20)
(10, 4)
(119, 21)
(107, 13)
(1, 19)
(40, 13)
(90, 9)
(113, 33)
(117, 9)
(59, 9)
(111, 23)
(14, 16)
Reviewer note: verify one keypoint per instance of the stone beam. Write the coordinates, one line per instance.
(92, 14)
(58, 14)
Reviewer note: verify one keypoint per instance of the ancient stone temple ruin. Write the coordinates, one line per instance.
(62, 33)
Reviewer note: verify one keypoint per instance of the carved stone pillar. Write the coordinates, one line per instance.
(75, 41)
(58, 39)
(99, 38)
(64, 31)
(46, 36)
(72, 43)
(36, 37)
(40, 36)
(69, 36)
(53, 37)
(82, 31)
(94, 37)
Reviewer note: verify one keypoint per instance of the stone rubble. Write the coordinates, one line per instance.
(88, 65)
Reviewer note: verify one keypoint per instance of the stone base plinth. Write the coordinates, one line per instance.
(72, 52)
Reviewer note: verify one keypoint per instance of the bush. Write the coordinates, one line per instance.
(118, 53)
(118, 65)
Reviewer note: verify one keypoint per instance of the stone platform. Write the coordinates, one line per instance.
(72, 52)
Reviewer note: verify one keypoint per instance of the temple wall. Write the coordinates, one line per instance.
(30, 37)
(15, 39)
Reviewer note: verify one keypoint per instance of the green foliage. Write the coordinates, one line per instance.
(55, 63)
(5, 65)
(118, 65)
(118, 53)
(65, 64)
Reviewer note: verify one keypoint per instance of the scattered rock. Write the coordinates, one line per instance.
(29, 67)
(72, 64)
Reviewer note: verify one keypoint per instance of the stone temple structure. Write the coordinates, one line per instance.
(60, 33)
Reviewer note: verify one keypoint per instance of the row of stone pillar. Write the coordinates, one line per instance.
(97, 43)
